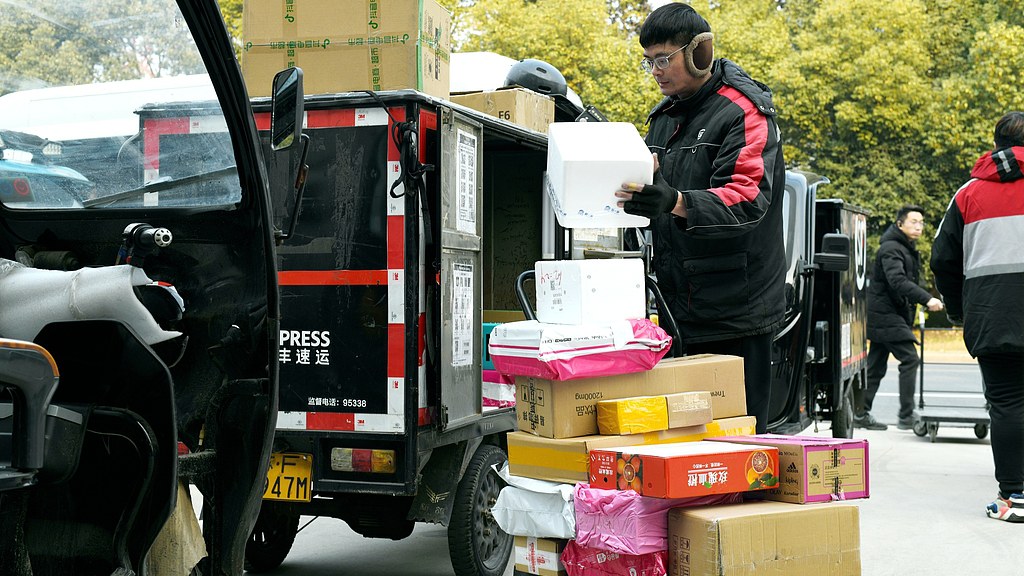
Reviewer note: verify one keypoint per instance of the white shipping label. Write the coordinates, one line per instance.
(466, 209)
(462, 314)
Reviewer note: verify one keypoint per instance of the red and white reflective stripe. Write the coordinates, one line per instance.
(396, 283)
(340, 421)
(154, 128)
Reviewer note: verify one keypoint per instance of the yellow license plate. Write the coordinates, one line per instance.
(290, 477)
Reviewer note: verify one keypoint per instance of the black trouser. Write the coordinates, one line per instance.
(756, 352)
(1003, 375)
(878, 357)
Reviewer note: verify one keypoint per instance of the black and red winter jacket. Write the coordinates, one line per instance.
(978, 255)
(721, 269)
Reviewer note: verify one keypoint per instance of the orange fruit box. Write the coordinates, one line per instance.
(686, 469)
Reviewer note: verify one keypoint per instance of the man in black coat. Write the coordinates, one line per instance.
(716, 201)
(893, 296)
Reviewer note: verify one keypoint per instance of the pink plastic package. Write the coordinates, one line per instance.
(625, 522)
(583, 561)
(499, 390)
(570, 351)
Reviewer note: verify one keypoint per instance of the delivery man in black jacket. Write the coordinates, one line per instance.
(893, 296)
(978, 261)
(716, 202)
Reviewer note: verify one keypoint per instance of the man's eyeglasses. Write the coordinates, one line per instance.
(661, 62)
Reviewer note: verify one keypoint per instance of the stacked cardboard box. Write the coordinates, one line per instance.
(516, 105)
(347, 45)
(660, 489)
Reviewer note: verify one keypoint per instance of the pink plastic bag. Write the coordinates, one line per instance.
(625, 522)
(583, 561)
(568, 352)
(499, 390)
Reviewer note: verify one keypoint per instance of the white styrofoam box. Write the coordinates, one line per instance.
(587, 163)
(590, 291)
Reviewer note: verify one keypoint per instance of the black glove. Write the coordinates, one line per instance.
(653, 199)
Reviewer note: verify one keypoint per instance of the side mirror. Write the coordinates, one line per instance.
(286, 109)
(835, 253)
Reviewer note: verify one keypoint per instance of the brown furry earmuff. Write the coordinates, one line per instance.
(700, 54)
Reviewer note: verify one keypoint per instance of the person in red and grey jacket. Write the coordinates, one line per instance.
(978, 262)
(716, 201)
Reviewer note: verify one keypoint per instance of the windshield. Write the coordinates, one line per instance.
(108, 105)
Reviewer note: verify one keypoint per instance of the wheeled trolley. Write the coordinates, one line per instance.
(973, 414)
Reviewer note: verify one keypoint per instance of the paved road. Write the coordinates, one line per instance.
(925, 515)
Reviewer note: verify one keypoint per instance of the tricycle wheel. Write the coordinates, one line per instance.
(981, 430)
(271, 540)
(920, 428)
(842, 415)
(476, 544)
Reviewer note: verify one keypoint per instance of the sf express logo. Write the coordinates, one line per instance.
(860, 248)
(304, 338)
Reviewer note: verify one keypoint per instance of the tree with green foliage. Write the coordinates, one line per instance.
(61, 46)
(594, 49)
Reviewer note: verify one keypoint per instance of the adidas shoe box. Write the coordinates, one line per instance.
(813, 469)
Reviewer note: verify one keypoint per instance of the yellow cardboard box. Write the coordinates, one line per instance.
(347, 45)
(652, 413)
(764, 538)
(565, 409)
(567, 460)
(517, 105)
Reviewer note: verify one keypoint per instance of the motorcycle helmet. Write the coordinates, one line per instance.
(538, 76)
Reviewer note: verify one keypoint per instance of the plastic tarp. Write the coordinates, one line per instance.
(534, 508)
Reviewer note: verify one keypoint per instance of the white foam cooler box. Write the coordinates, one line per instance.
(590, 291)
(587, 163)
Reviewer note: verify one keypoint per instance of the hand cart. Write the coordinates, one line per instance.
(957, 415)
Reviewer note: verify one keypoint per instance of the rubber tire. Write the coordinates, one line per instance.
(933, 430)
(981, 430)
(920, 428)
(476, 544)
(270, 541)
(842, 417)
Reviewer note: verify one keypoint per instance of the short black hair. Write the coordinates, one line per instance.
(907, 209)
(676, 23)
(1010, 130)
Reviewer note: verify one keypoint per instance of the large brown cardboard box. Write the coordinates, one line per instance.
(565, 409)
(347, 45)
(541, 556)
(567, 460)
(764, 538)
(517, 105)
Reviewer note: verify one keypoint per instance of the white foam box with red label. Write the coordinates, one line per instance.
(813, 469)
(686, 469)
(595, 291)
(587, 163)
